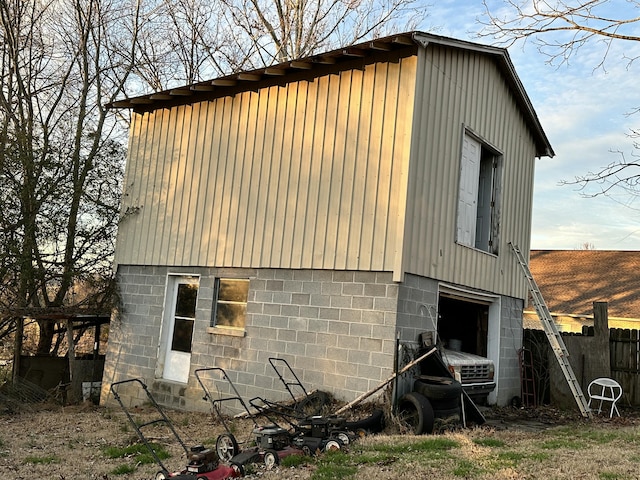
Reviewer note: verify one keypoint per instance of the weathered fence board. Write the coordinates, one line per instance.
(625, 364)
(624, 357)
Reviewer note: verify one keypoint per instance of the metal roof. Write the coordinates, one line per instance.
(354, 56)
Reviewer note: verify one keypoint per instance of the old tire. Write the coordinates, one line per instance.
(438, 388)
(443, 393)
(415, 411)
(226, 447)
(372, 424)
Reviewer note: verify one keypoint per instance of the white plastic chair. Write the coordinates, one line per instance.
(605, 390)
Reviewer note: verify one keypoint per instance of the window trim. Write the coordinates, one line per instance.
(226, 329)
(492, 247)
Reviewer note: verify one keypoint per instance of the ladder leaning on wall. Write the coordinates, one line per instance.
(554, 337)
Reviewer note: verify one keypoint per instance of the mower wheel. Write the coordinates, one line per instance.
(226, 447)
(415, 411)
(161, 475)
(271, 459)
(332, 446)
(239, 469)
(343, 437)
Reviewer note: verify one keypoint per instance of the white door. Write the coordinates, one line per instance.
(178, 327)
(468, 192)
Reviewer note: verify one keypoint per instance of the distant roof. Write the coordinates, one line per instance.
(343, 58)
(571, 280)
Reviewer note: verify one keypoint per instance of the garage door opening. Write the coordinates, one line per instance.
(463, 325)
(469, 330)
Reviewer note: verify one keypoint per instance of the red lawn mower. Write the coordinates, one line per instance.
(202, 463)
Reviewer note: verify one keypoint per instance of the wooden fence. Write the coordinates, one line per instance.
(624, 353)
(624, 347)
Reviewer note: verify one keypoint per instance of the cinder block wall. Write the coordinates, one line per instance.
(417, 313)
(335, 328)
(511, 333)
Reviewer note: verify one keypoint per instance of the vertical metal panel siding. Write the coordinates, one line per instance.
(461, 88)
(304, 175)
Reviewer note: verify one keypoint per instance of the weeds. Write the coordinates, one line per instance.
(137, 450)
(334, 466)
(466, 469)
(46, 460)
(489, 442)
(293, 461)
(123, 470)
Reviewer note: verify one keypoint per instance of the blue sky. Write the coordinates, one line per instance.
(584, 111)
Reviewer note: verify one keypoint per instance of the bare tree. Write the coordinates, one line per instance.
(62, 153)
(559, 29)
(279, 30)
(185, 41)
(60, 169)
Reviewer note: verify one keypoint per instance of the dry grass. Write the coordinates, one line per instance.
(70, 443)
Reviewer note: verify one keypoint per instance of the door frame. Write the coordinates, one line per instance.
(167, 327)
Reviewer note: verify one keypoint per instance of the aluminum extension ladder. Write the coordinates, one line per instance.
(554, 337)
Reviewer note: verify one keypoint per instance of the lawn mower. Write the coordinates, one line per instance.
(266, 444)
(307, 412)
(203, 463)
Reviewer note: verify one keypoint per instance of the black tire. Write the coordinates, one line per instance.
(226, 447)
(313, 404)
(271, 459)
(373, 423)
(447, 404)
(438, 388)
(445, 413)
(415, 412)
(161, 475)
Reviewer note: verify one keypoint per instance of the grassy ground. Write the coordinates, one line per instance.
(98, 443)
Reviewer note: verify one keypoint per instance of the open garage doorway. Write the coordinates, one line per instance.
(463, 325)
(469, 322)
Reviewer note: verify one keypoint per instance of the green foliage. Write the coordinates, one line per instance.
(295, 461)
(511, 457)
(334, 472)
(609, 476)
(137, 450)
(466, 469)
(489, 442)
(429, 444)
(46, 460)
(123, 470)
(540, 456)
(334, 465)
(557, 443)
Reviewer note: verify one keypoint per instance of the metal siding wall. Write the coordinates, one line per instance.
(305, 175)
(465, 89)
